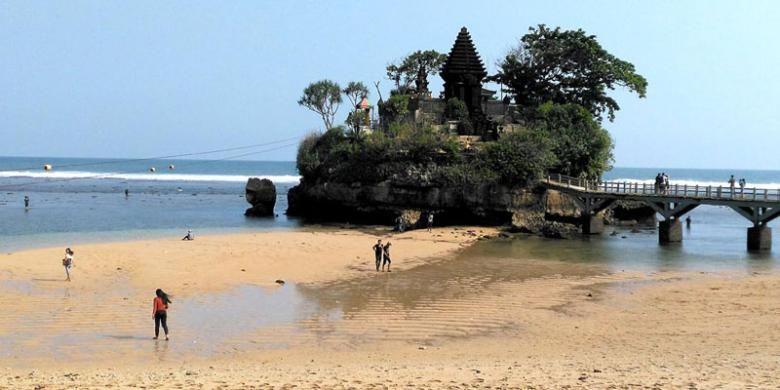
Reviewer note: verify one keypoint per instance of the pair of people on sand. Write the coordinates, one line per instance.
(382, 255)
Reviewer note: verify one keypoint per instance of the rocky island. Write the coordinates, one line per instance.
(466, 156)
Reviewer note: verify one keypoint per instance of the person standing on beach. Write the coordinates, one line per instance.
(26, 202)
(430, 220)
(127, 192)
(379, 251)
(160, 312)
(67, 262)
(386, 257)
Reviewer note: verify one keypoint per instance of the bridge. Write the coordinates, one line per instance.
(757, 205)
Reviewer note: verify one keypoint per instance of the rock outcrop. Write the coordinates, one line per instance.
(261, 194)
(382, 203)
(527, 210)
(631, 213)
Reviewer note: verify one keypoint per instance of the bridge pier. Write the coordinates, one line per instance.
(669, 231)
(759, 238)
(592, 224)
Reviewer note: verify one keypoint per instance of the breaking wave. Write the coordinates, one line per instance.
(158, 176)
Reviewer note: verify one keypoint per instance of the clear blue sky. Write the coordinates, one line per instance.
(147, 78)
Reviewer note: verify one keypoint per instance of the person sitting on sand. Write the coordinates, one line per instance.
(378, 253)
(189, 236)
(160, 312)
(67, 262)
(386, 257)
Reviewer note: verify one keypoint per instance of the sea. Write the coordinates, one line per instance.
(82, 200)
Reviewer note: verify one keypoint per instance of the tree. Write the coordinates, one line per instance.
(416, 68)
(324, 98)
(580, 145)
(518, 158)
(396, 107)
(565, 66)
(354, 92)
(356, 119)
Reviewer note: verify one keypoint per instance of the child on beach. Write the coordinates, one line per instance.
(160, 312)
(386, 257)
(378, 253)
(67, 262)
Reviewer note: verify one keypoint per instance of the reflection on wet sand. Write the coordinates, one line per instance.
(442, 298)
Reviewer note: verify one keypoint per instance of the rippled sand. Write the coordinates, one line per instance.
(442, 319)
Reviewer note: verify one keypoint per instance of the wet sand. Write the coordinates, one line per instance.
(449, 316)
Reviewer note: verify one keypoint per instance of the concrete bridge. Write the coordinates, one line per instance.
(757, 205)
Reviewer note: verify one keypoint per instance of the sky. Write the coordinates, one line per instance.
(148, 78)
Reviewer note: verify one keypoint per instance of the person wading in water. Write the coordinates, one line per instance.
(160, 312)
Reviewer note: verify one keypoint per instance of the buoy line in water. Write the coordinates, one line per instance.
(48, 167)
(20, 186)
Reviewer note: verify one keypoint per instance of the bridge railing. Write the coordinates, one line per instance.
(676, 190)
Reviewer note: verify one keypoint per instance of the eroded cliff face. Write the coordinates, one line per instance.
(529, 210)
(383, 202)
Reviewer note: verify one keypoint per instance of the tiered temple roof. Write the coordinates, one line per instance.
(463, 58)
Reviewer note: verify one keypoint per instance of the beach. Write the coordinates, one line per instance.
(441, 319)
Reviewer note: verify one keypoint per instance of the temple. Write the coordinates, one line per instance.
(463, 74)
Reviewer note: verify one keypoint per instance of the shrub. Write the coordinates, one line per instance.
(456, 110)
(517, 158)
(307, 159)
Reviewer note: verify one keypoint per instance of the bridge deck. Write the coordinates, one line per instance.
(712, 195)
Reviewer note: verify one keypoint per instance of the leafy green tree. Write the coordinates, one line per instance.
(517, 158)
(355, 91)
(324, 98)
(396, 107)
(579, 143)
(416, 68)
(566, 66)
(356, 119)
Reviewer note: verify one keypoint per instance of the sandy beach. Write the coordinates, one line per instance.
(439, 320)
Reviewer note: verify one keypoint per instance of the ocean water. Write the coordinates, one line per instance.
(82, 200)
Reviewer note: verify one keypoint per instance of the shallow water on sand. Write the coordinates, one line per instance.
(473, 294)
(435, 300)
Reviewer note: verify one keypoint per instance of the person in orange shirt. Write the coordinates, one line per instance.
(160, 312)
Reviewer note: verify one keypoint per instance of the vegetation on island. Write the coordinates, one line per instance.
(559, 79)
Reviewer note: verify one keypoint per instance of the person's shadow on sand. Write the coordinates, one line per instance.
(48, 280)
(125, 337)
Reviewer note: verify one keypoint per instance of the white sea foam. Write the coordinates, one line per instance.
(693, 183)
(160, 176)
